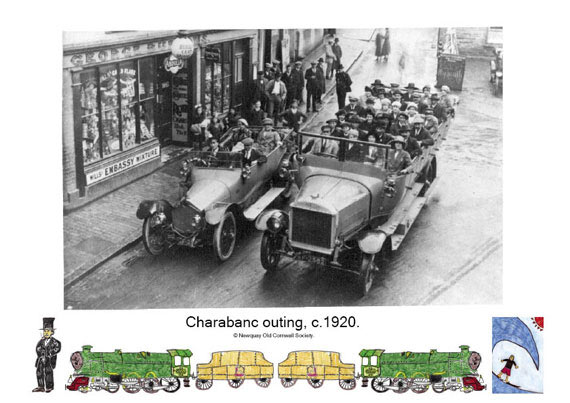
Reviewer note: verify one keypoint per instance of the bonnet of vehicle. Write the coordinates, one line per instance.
(211, 186)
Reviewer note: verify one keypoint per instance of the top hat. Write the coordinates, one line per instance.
(48, 324)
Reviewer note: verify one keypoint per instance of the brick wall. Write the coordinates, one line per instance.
(472, 41)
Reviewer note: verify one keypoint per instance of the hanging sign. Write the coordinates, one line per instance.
(173, 64)
(182, 47)
(212, 55)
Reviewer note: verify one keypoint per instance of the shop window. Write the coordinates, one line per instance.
(218, 79)
(117, 107)
(238, 74)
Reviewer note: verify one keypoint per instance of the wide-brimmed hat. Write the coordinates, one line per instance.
(242, 120)
(48, 324)
(417, 119)
(411, 86)
(267, 121)
(412, 105)
(377, 83)
(398, 139)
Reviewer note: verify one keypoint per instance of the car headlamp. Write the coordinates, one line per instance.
(196, 220)
(276, 222)
(158, 219)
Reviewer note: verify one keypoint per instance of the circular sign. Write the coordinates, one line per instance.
(173, 64)
(182, 47)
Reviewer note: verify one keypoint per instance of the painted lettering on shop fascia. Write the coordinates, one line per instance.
(122, 165)
(117, 53)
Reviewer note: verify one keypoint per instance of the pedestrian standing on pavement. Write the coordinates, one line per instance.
(386, 48)
(379, 43)
(337, 50)
(330, 58)
(312, 87)
(343, 83)
(321, 80)
(277, 93)
(258, 92)
(298, 81)
(287, 78)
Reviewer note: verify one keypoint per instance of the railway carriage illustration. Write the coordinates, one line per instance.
(235, 367)
(405, 371)
(316, 367)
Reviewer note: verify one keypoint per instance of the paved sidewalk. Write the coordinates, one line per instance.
(100, 230)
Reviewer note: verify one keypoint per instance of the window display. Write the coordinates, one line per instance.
(218, 79)
(117, 109)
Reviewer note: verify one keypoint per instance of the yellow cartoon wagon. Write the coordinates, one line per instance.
(235, 367)
(316, 367)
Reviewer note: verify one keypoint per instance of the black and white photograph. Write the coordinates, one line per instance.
(214, 168)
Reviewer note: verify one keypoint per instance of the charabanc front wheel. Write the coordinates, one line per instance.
(347, 384)
(153, 236)
(270, 256)
(225, 237)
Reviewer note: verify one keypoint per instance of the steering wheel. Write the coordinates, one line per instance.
(200, 162)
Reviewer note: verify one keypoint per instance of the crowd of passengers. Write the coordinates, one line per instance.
(405, 118)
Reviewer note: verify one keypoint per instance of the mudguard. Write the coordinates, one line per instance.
(261, 221)
(149, 207)
(372, 241)
(215, 214)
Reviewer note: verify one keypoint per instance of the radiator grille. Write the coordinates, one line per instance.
(311, 228)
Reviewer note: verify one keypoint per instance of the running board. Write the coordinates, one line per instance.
(412, 213)
(256, 208)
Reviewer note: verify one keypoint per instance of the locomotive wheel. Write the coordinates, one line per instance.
(171, 385)
(112, 387)
(204, 384)
(269, 245)
(420, 388)
(366, 273)
(150, 384)
(402, 384)
(263, 382)
(316, 383)
(225, 237)
(438, 387)
(347, 384)
(131, 389)
(378, 386)
(288, 382)
(153, 238)
(235, 383)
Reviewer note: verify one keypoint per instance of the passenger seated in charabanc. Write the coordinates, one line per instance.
(431, 124)
(268, 139)
(382, 136)
(401, 124)
(249, 154)
(317, 145)
(399, 160)
(214, 153)
(238, 133)
(353, 152)
(411, 146)
(420, 134)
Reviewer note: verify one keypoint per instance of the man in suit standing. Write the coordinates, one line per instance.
(337, 50)
(298, 81)
(46, 349)
(287, 78)
(277, 93)
(312, 87)
(343, 83)
(330, 57)
(321, 80)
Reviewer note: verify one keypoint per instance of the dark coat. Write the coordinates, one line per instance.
(255, 118)
(312, 81)
(254, 156)
(356, 108)
(321, 79)
(293, 118)
(47, 353)
(343, 82)
(355, 153)
(297, 78)
(386, 48)
(412, 147)
(400, 161)
(422, 136)
(259, 93)
(379, 40)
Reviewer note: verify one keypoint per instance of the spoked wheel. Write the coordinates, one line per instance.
(235, 383)
(270, 244)
(225, 236)
(419, 388)
(316, 383)
(378, 385)
(150, 384)
(112, 388)
(204, 384)
(171, 385)
(402, 385)
(366, 273)
(288, 382)
(263, 382)
(347, 384)
(131, 388)
(153, 237)
(438, 387)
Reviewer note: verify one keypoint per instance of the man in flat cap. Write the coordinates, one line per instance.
(419, 133)
(249, 154)
(312, 87)
(287, 78)
(46, 349)
(353, 106)
(324, 146)
(277, 93)
(293, 117)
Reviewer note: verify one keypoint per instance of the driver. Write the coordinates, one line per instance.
(400, 160)
(212, 151)
(324, 146)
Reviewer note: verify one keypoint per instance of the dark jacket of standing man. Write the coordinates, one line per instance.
(343, 83)
(46, 350)
(298, 81)
(312, 86)
(337, 50)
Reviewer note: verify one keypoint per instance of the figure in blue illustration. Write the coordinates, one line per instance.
(521, 338)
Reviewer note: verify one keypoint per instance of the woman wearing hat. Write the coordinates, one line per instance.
(400, 160)
(268, 139)
(386, 48)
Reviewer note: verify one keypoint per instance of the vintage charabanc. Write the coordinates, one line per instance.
(316, 367)
(218, 191)
(350, 213)
(235, 367)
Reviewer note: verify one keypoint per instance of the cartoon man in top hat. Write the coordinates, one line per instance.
(46, 349)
